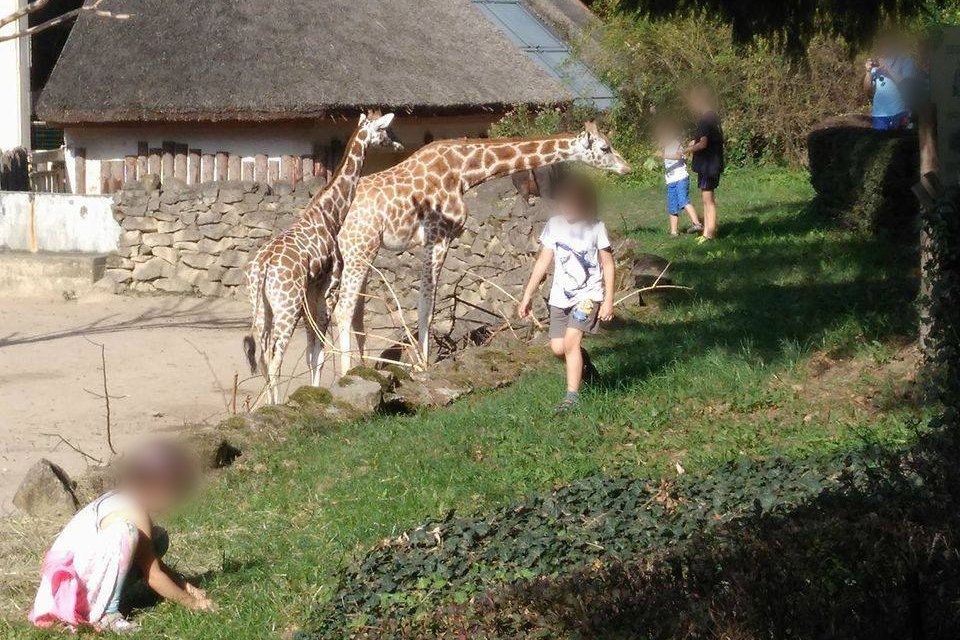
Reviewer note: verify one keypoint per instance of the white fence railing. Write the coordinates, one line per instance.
(57, 222)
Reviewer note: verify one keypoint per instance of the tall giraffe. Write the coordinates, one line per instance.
(420, 202)
(300, 268)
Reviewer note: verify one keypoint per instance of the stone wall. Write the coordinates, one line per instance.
(196, 239)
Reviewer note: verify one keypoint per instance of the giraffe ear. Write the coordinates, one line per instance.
(383, 121)
(363, 119)
(590, 127)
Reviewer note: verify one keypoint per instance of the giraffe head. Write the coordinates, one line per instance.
(377, 128)
(593, 148)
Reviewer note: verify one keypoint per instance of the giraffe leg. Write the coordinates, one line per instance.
(284, 323)
(356, 265)
(436, 253)
(316, 304)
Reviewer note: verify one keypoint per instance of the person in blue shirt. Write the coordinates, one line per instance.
(885, 80)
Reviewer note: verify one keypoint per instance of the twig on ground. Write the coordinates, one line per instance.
(417, 356)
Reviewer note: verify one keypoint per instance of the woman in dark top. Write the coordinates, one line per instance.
(707, 150)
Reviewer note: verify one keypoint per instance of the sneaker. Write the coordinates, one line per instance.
(567, 405)
(116, 623)
(695, 228)
(674, 235)
(704, 240)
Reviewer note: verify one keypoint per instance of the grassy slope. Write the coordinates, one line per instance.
(791, 342)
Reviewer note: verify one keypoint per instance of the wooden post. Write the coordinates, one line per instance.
(80, 170)
(306, 167)
(153, 162)
(273, 171)
(166, 160)
(220, 171)
(296, 171)
(260, 168)
(206, 167)
(105, 177)
(193, 166)
(286, 168)
(143, 152)
(246, 170)
(233, 167)
(180, 162)
(130, 169)
(116, 176)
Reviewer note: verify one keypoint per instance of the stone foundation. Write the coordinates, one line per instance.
(195, 240)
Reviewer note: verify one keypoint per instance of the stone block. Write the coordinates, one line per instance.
(167, 253)
(151, 269)
(209, 217)
(187, 235)
(189, 274)
(197, 260)
(233, 258)
(173, 285)
(158, 239)
(233, 277)
(46, 491)
(214, 231)
(164, 226)
(139, 224)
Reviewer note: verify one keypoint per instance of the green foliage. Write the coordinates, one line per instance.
(594, 521)
(863, 177)
(791, 24)
(942, 226)
(769, 102)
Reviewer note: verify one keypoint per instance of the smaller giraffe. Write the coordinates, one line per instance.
(299, 270)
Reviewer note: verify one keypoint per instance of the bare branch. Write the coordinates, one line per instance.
(53, 22)
(106, 392)
(25, 11)
(72, 446)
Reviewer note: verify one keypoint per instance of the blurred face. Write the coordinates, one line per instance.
(159, 498)
(570, 205)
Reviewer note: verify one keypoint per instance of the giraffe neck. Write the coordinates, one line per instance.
(485, 160)
(333, 201)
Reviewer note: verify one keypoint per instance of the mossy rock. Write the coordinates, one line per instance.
(400, 373)
(275, 415)
(233, 423)
(308, 396)
(367, 373)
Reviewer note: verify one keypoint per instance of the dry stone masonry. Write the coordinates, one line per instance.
(196, 239)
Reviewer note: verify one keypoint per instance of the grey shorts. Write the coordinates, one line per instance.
(563, 319)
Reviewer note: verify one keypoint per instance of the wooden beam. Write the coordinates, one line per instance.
(207, 161)
(273, 171)
(166, 159)
(153, 161)
(233, 167)
(143, 163)
(105, 181)
(246, 170)
(286, 168)
(306, 167)
(130, 168)
(220, 172)
(193, 166)
(180, 161)
(296, 171)
(80, 170)
(260, 168)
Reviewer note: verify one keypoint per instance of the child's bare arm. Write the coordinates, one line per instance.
(167, 584)
(697, 144)
(540, 268)
(608, 265)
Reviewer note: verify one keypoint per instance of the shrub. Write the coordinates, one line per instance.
(863, 177)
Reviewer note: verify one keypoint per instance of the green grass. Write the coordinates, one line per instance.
(791, 342)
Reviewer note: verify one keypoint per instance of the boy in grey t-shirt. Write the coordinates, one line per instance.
(581, 295)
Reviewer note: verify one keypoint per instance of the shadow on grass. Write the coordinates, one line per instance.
(772, 286)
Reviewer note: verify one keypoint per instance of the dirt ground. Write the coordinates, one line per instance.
(170, 360)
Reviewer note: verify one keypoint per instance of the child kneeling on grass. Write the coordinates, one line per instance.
(581, 296)
(111, 545)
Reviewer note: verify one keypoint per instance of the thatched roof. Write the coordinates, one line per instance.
(254, 60)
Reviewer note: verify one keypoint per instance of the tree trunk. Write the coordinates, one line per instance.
(929, 164)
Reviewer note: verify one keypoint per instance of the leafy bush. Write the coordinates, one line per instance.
(770, 101)
(596, 521)
(863, 177)
(862, 545)
(942, 226)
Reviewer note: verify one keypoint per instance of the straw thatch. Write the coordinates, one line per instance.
(255, 60)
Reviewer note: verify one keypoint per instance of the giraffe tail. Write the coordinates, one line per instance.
(250, 348)
(250, 341)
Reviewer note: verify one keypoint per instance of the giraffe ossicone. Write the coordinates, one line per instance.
(419, 202)
(297, 273)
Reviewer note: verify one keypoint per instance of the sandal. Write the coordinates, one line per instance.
(566, 405)
(116, 623)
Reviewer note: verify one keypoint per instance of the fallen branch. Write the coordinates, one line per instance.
(74, 447)
(651, 288)
(417, 356)
(216, 380)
